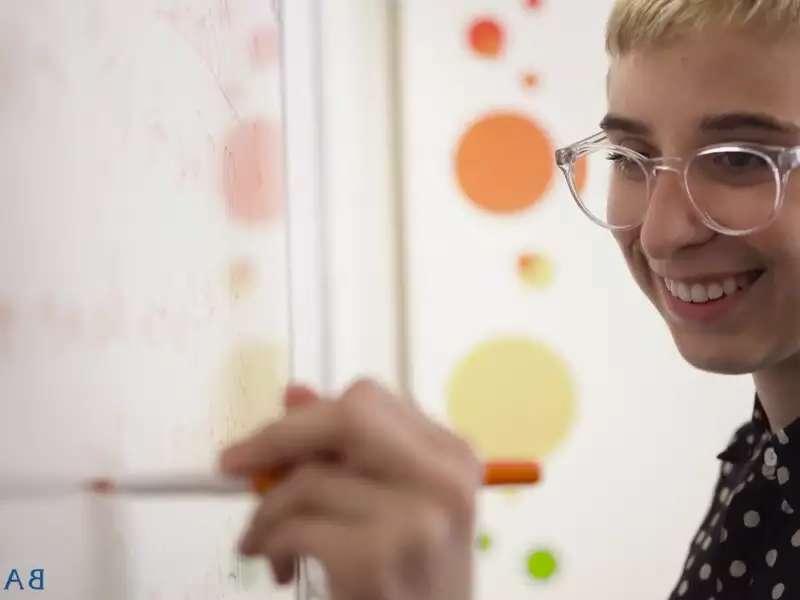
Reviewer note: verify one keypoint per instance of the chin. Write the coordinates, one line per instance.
(718, 358)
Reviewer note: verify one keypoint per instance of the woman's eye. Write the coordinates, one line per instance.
(740, 161)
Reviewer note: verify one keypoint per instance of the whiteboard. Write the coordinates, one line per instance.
(143, 283)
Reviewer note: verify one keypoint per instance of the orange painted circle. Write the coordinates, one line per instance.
(486, 37)
(581, 173)
(504, 163)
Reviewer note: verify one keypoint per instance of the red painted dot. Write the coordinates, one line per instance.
(252, 172)
(486, 37)
(533, 3)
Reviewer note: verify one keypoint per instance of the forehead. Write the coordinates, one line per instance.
(672, 87)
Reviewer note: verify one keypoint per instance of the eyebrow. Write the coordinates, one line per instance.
(612, 122)
(722, 122)
(747, 120)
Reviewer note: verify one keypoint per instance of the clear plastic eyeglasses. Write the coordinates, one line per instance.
(736, 188)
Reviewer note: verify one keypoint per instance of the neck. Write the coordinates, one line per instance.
(778, 389)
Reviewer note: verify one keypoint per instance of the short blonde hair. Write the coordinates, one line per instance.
(635, 23)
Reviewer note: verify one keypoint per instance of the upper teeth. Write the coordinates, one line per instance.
(703, 292)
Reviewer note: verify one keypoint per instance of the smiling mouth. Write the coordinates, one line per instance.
(708, 291)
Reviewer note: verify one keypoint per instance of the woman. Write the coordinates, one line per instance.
(701, 143)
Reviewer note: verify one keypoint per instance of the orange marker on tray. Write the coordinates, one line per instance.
(495, 473)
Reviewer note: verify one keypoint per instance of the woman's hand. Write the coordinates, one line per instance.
(383, 497)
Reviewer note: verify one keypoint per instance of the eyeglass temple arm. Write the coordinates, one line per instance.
(565, 155)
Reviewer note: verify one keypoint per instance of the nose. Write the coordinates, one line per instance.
(671, 223)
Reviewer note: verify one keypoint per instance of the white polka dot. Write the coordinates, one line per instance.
(750, 478)
(705, 571)
(689, 563)
(683, 587)
(777, 591)
(787, 508)
(707, 543)
(782, 437)
(723, 535)
(701, 535)
(714, 519)
(738, 489)
(770, 457)
(750, 439)
(727, 468)
(751, 519)
(719, 586)
(768, 472)
(771, 557)
(757, 414)
(723, 494)
(783, 475)
(796, 539)
(738, 568)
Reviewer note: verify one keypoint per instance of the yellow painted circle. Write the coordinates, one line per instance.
(250, 394)
(512, 398)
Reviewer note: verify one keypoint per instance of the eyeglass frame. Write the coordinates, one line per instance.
(782, 159)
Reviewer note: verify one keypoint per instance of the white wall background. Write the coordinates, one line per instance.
(625, 492)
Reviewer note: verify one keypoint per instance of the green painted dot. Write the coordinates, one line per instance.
(484, 542)
(542, 565)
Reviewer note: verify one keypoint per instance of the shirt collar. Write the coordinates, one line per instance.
(740, 448)
(772, 456)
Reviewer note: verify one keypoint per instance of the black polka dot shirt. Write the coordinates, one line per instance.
(748, 546)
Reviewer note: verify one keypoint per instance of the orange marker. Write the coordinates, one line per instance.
(495, 473)
(511, 472)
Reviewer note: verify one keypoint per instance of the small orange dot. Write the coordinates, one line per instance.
(242, 277)
(486, 37)
(504, 162)
(530, 80)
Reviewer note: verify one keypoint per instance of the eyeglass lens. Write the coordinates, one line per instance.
(736, 189)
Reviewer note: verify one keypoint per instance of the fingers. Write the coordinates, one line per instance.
(315, 490)
(352, 423)
(372, 434)
(297, 396)
(373, 558)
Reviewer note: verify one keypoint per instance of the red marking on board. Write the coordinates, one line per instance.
(252, 172)
(264, 47)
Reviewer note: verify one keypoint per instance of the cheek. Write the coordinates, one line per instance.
(628, 242)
